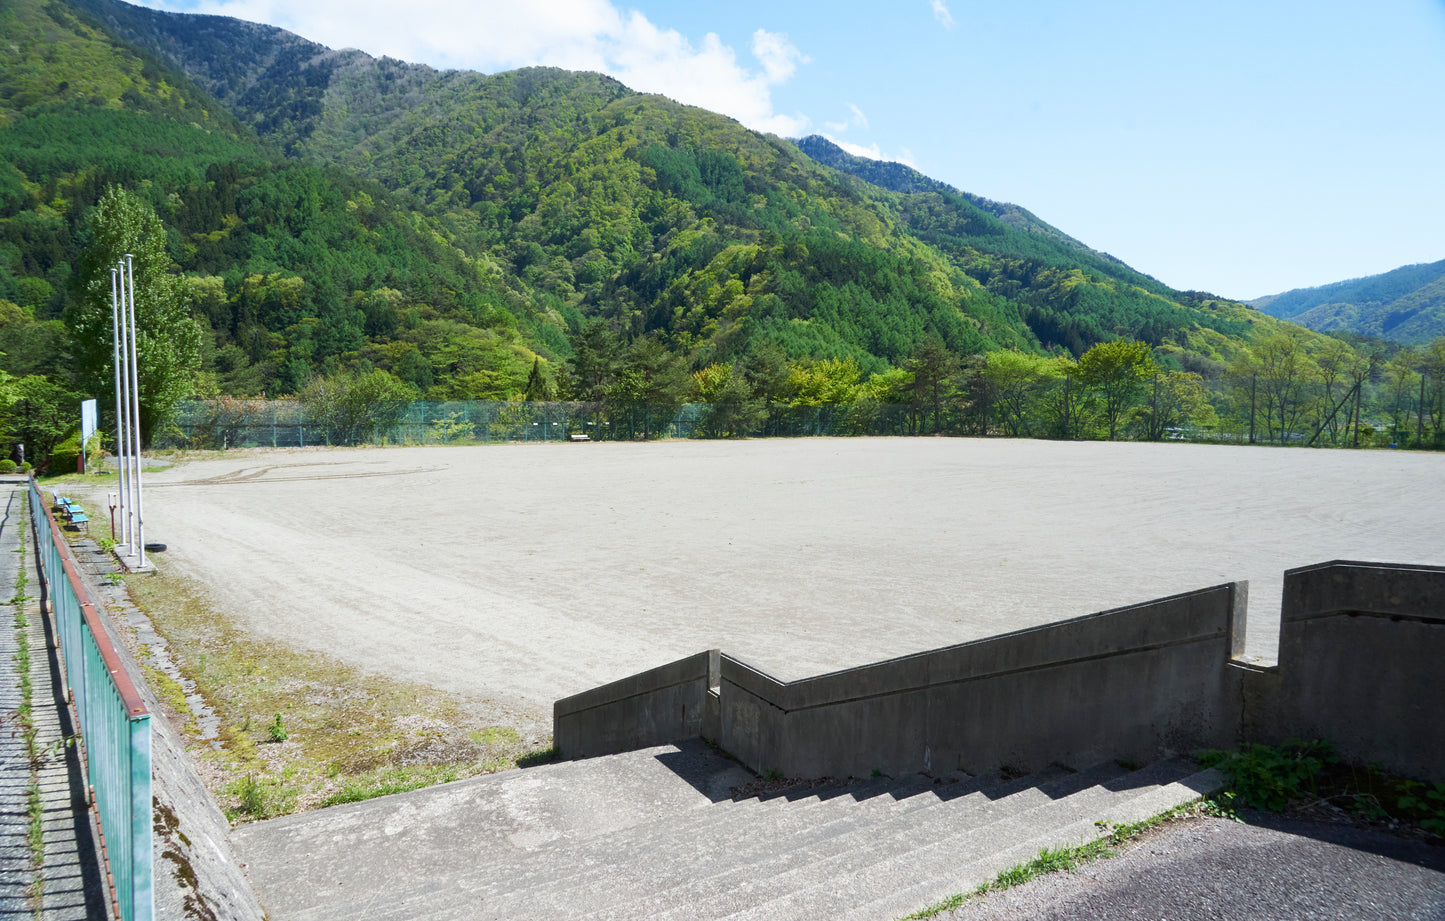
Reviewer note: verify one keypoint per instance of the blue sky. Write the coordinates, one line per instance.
(1244, 148)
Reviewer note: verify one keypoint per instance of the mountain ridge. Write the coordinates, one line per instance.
(1406, 304)
(512, 211)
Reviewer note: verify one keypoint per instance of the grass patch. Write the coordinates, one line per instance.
(299, 730)
(1307, 778)
(1052, 860)
(495, 735)
(386, 781)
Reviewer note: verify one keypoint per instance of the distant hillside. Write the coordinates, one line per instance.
(1406, 305)
(899, 177)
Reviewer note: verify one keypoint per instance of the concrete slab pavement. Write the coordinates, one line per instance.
(66, 882)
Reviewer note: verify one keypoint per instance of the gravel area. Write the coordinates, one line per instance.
(518, 574)
(1220, 870)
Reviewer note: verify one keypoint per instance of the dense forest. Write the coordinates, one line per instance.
(334, 223)
(1405, 305)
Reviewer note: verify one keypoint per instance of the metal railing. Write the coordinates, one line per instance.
(114, 721)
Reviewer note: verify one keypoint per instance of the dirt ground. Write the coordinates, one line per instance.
(518, 574)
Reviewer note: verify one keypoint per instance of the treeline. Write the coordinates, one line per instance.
(1279, 392)
(1282, 389)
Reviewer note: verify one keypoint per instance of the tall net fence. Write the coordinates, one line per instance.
(237, 423)
(1410, 413)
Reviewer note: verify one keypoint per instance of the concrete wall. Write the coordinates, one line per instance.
(1361, 650)
(654, 707)
(1361, 664)
(1134, 683)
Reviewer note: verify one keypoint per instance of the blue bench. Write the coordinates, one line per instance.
(72, 512)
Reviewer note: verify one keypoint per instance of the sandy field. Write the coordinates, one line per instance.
(518, 574)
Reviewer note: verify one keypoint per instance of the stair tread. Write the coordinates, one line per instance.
(828, 851)
(1024, 833)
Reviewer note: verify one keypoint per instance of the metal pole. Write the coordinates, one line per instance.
(128, 499)
(119, 419)
(140, 546)
(122, 408)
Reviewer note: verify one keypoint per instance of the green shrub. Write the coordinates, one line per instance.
(65, 458)
(7, 466)
(1269, 778)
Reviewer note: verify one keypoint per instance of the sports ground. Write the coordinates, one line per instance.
(518, 574)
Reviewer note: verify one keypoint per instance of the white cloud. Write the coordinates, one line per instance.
(856, 119)
(496, 35)
(874, 152)
(779, 57)
(941, 13)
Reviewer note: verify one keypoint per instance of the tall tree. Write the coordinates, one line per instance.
(1283, 368)
(1173, 399)
(1116, 371)
(933, 367)
(168, 339)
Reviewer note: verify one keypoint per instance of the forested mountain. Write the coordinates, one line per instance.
(899, 177)
(535, 233)
(620, 205)
(1405, 305)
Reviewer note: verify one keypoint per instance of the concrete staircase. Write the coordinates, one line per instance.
(658, 834)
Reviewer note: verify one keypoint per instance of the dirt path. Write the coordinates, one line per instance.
(524, 573)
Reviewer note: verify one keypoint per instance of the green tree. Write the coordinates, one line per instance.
(595, 350)
(933, 367)
(732, 407)
(829, 382)
(648, 386)
(1012, 379)
(1283, 369)
(1067, 406)
(41, 415)
(539, 386)
(1117, 371)
(1402, 379)
(1172, 398)
(168, 339)
(355, 407)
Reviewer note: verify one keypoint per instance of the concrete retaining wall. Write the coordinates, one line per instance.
(1361, 664)
(1134, 683)
(654, 707)
(1359, 653)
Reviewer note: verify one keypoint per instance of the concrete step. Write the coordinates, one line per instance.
(726, 839)
(1149, 802)
(315, 861)
(959, 862)
(562, 877)
(656, 834)
(814, 863)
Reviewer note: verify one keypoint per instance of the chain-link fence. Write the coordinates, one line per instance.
(235, 423)
(1234, 411)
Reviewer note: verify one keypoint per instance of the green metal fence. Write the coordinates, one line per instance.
(114, 722)
(234, 423)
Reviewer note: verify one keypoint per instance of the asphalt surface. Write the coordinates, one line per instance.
(1221, 870)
